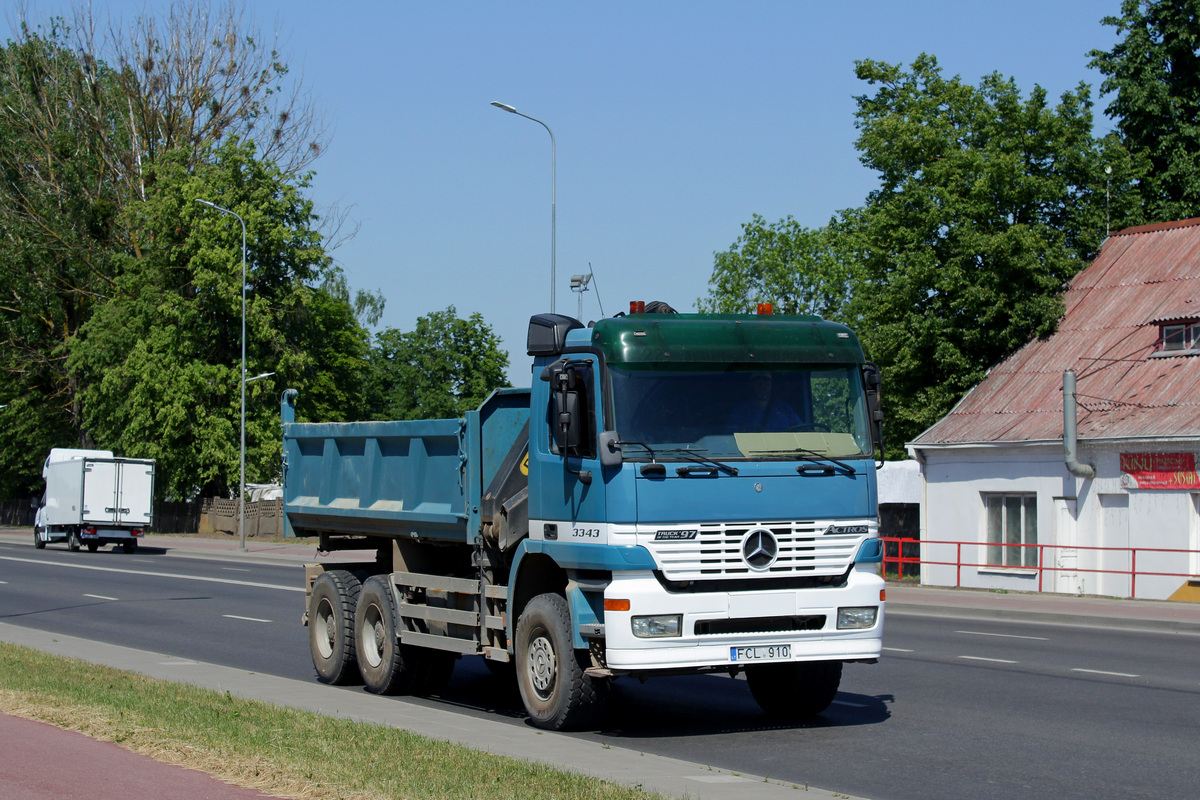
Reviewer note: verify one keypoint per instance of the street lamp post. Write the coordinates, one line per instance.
(242, 466)
(553, 202)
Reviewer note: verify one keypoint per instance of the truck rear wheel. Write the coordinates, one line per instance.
(93, 546)
(386, 666)
(73, 541)
(129, 547)
(556, 691)
(331, 626)
(796, 689)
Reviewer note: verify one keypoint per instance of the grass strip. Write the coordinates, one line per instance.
(281, 751)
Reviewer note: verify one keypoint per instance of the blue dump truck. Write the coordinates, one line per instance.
(675, 493)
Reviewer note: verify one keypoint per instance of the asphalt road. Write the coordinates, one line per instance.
(956, 708)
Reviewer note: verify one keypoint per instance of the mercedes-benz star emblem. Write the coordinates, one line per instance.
(760, 548)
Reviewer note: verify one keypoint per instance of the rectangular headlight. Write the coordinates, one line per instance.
(658, 627)
(857, 618)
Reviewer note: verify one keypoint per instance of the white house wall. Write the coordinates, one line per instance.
(1107, 514)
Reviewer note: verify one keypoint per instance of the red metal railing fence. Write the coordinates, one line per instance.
(903, 558)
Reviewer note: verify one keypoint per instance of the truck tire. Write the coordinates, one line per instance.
(331, 626)
(386, 666)
(73, 541)
(37, 539)
(93, 546)
(796, 689)
(129, 547)
(556, 691)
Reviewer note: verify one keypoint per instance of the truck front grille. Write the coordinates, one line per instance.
(804, 549)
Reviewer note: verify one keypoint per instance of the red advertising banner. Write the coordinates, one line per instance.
(1161, 470)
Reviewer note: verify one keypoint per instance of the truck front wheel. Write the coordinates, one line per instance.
(556, 691)
(796, 689)
(331, 625)
(387, 667)
(37, 539)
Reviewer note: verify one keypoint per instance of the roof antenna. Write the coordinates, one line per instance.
(593, 274)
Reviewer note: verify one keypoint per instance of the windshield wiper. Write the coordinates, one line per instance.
(695, 456)
(653, 468)
(809, 455)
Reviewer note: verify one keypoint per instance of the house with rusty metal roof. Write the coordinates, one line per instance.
(1098, 494)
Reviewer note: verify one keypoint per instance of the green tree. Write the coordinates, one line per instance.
(1153, 74)
(159, 362)
(988, 203)
(798, 269)
(83, 141)
(441, 369)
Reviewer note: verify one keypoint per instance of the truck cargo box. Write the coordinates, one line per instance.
(405, 478)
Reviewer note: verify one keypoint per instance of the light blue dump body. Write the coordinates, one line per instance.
(404, 478)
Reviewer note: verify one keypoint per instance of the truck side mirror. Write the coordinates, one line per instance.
(34, 504)
(610, 450)
(566, 412)
(872, 383)
(565, 404)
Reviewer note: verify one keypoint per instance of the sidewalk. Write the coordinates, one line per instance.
(672, 777)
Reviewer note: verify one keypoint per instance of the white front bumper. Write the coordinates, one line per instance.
(646, 596)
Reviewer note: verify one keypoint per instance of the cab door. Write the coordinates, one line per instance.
(567, 490)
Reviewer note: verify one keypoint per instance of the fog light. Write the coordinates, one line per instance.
(856, 618)
(658, 627)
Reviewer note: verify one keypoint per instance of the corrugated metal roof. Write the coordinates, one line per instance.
(1109, 335)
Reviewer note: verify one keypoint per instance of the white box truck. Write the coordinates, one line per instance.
(93, 499)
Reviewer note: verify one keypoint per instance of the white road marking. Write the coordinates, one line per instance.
(154, 574)
(247, 619)
(101, 597)
(898, 650)
(1102, 672)
(234, 569)
(1005, 635)
(992, 660)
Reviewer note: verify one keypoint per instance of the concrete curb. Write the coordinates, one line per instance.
(1186, 627)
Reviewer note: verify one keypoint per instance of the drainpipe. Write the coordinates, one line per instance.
(1070, 430)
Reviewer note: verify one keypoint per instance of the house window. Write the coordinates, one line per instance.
(1177, 337)
(1011, 530)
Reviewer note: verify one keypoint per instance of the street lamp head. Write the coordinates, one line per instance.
(504, 106)
(580, 282)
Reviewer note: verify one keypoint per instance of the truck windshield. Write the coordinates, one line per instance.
(763, 413)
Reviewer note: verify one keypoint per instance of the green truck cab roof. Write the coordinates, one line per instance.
(644, 339)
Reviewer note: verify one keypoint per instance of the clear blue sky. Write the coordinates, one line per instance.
(675, 123)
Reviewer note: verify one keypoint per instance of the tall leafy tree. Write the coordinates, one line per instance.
(159, 362)
(442, 368)
(89, 114)
(1153, 75)
(988, 202)
(798, 269)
